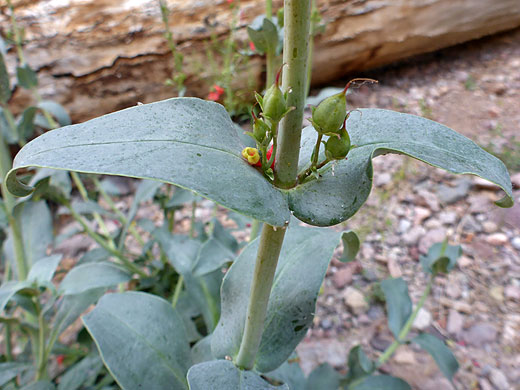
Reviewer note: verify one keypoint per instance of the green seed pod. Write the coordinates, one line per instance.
(274, 106)
(336, 147)
(328, 117)
(260, 129)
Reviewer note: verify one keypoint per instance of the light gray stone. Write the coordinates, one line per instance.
(355, 300)
(499, 379)
(423, 319)
(455, 322)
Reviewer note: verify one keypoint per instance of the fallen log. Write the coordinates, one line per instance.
(97, 56)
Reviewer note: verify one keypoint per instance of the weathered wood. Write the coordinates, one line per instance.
(97, 56)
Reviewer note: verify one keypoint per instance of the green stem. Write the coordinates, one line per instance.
(312, 32)
(267, 258)
(407, 326)
(192, 218)
(269, 9)
(41, 372)
(9, 203)
(8, 343)
(101, 242)
(308, 171)
(17, 34)
(296, 22)
(316, 153)
(177, 292)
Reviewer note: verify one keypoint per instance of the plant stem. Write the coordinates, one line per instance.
(255, 229)
(407, 326)
(9, 203)
(101, 242)
(269, 9)
(17, 35)
(267, 258)
(316, 153)
(312, 32)
(41, 372)
(192, 218)
(177, 292)
(307, 172)
(296, 22)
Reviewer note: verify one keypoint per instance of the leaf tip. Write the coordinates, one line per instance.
(16, 187)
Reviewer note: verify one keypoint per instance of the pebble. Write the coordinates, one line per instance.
(375, 312)
(489, 226)
(497, 239)
(420, 214)
(497, 293)
(512, 292)
(515, 179)
(455, 322)
(426, 198)
(451, 195)
(343, 276)
(499, 379)
(393, 268)
(479, 334)
(405, 356)
(432, 237)
(516, 242)
(382, 179)
(355, 300)
(453, 290)
(423, 319)
(412, 236)
(484, 384)
(404, 225)
(448, 217)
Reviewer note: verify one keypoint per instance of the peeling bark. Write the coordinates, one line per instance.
(97, 56)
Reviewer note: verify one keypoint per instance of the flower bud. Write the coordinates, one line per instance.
(251, 155)
(338, 146)
(274, 106)
(328, 117)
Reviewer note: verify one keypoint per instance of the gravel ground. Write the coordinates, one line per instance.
(475, 89)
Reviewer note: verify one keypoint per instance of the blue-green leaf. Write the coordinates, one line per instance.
(141, 340)
(222, 374)
(184, 141)
(305, 255)
(380, 382)
(289, 373)
(92, 276)
(8, 289)
(10, 370)
(43, 270)
(350, 246)
(5, 88)
(201, 351)
(323, 377)
(40, 385)
(264, 34)
(440, 352)
(25, 125)
(440, 258)
(212, 256)
(57, 111)
(27, 77)
(359, 365)
(77, 375)
(341, 191)
(398, 303)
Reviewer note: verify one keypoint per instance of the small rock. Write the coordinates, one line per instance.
(420, 214)
(469, 224)
(394, 268)
(455, 322)
(516, 243)
(479, 334)
(404, 225)
(453, 290)
(355, 300)
(464, 261)
(413, 235)
(423, 319)
(499, 379)
(489, 226)
(382, 179)
(375, 312)
(426, 198)
(497, 239)
(343, 276)
(437, 384)
(512, 292)
(481, 183)
(326, 324)
(450, 195)
(432, 237)
(484, 384)
(405, 356)
(379, 343)
(448, 217)
(515, 179)
(497, 293)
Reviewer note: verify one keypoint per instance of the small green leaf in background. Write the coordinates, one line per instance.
(440, 352)
(398, 303)
(350, 246)
(380, 382)
(8, 289)
(222, 374)
(5, 88)
(359, 365)
(289, 373)
(79, 373)
(59, 185)
(27, 77)
(141, 340)
(201, 351)
(323, 377)
(92, 276)
(56, 110)
(25, 123)
(40, 385)
(10, 370)
(264, 34)
(212, 256)
(43, 270)
(441, 257)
